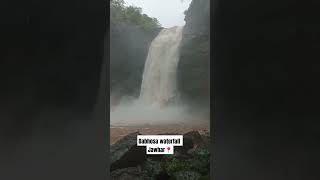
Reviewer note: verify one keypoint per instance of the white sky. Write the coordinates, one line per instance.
(168, 12)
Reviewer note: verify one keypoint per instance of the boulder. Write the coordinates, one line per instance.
(125, 153)
(192, 140)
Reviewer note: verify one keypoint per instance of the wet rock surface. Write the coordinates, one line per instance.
(194, 64)
(125, 153)
(131, 173)
(191, 161)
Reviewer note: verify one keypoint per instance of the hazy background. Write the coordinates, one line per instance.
(168, 12)
(129, 45)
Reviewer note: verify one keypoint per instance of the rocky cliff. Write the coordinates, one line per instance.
(194, 64)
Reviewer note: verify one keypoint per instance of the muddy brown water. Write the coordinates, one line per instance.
(118, 132)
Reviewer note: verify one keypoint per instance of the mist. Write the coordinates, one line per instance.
(133, 112)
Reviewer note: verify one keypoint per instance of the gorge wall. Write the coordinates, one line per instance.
(194, 64)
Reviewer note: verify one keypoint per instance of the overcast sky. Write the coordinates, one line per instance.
(168, 12)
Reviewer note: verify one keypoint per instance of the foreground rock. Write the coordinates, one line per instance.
(190, 162)
(131, 173)
(125, 153)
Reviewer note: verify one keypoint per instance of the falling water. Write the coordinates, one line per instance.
(158, 87)
(160, 71)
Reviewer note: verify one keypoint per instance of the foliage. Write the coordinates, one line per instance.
(198, 163)
(131, 15)
(151, 169)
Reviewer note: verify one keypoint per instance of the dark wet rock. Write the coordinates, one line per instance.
(197, 18)
(194, 138)
(122, 146)
(188, 162)
(190, 175)
(162, 176)
(125, 153)
(194, 64)
(130, 173)
(191, 140)
(206, 177)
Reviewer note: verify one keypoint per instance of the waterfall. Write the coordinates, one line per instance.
(160, 72)
(158, 87)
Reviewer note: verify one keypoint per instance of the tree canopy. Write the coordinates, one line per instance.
(132, 15)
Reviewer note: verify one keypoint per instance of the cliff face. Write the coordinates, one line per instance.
(194, 64)
(129, 47)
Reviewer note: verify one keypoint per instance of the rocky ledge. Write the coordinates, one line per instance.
(189, 162)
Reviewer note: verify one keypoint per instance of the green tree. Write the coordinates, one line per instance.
(131, 15)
